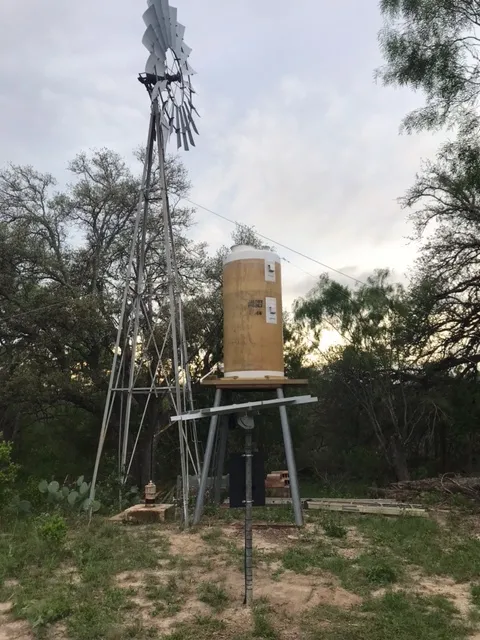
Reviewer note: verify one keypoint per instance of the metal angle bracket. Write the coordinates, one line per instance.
(245, 407)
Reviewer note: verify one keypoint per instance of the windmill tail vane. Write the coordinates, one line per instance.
(168, 73)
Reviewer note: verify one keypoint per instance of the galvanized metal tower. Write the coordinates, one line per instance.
(138, 353)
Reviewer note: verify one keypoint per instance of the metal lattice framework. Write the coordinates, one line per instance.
(139, 355)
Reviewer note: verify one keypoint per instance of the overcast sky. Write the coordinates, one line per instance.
(296, 137)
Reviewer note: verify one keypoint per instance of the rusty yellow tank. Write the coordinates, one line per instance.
(252, 304)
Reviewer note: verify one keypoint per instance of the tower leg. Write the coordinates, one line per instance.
(207, 460)
(222, 450)
(291, 466)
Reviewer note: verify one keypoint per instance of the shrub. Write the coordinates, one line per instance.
(52, 529)
(333, 528)
(8, 472)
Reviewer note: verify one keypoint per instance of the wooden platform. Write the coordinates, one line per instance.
(143, 514)
(253, 384)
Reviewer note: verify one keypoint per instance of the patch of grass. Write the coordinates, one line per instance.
(276, 514)
(262, 627)
(368, 572)
(180, 563)
(475, 593)
(41, 610)
(212, 535)
(136, 631)
(396, 615)
(202, 628)
(303, 559)
(422, 542)
(334, 528)
(107, 549)
(378, 571)
(97, 614)
(65, 572)
(213, 595)
(166, 597)
(277, 574)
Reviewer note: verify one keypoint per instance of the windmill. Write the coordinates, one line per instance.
(138, 353)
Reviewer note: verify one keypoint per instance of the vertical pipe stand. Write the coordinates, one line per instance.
(222, 450)
(207, 460)
(247, 423)
(291, 466)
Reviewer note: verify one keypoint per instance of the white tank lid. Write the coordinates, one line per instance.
(247, 252)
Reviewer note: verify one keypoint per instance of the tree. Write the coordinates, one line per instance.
(62, 264)
(446, 212)
(373, 363)
(433, 45)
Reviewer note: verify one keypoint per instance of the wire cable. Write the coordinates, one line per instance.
(276, 243)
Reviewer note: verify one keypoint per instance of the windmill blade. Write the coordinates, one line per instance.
(151, 64)
(179, 39)
(149, 38)
(191, 120)
(151, 20)
(185, 125)
(187, 69)
(162, 13)
(192, 107)
(185, 53)
(165, 129)
(175, 95)
(164, 10)
(155, 66)
(177, 128)
(184, 128)
(173, 26)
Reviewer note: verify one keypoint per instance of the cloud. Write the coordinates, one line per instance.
(317, 169)
(296, 139)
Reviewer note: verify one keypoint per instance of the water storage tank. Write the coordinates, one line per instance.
(252, 304)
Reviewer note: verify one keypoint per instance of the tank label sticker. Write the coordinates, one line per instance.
(269, 271)
(271, 305)
(255, 307)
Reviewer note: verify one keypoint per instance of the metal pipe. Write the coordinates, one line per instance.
(222, 449)
(248, 519)
(291, 466)
(206, 461)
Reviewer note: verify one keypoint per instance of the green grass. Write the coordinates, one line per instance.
(213, 595)
(475, 593)
(166, 597)
(362, 575)
(422, 542)
(72, 581)
(396, 615)
(333, 527)
(262, 626)
(212, 535)
(202, 628)
(273, 514)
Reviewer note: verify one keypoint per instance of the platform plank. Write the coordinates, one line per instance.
(253, 383)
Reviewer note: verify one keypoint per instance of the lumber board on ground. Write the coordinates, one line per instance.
(380, 509)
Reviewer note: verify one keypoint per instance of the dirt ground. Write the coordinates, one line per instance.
(213, 556)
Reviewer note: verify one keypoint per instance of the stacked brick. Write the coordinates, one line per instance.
(277, 484)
